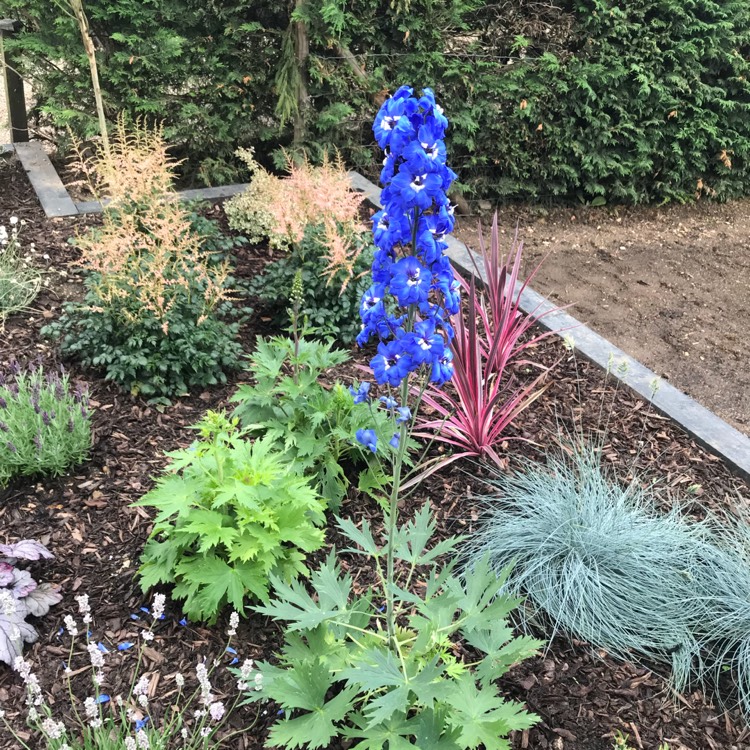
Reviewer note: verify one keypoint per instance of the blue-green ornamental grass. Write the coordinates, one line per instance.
(598, 561)
(44, 423)
(723, 585)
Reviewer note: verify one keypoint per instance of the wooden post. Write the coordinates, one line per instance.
(14, 93)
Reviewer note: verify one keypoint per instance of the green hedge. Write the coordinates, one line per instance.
(614, 100)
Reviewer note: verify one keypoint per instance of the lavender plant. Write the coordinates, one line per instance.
(385, 668)
(44, 424)
(21, 596)
(190, 719)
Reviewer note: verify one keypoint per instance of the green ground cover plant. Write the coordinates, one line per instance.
(45, 425)
(230, 513)
(311, 423)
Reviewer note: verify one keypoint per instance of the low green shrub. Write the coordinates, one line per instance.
(230, 513)
(313, 424)
(44, 425)
(597, 561)
(329, 305)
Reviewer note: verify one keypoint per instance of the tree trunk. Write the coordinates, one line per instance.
(302, 51)
(88, 45)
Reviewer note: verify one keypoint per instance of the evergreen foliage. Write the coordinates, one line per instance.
(594, 100)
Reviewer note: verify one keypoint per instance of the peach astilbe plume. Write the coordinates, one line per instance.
(322, 194)
(136, 167)
(146, 253)
(309, 195)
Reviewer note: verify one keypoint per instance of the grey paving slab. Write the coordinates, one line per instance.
(44, 179)
(699, 422)
(199, 194)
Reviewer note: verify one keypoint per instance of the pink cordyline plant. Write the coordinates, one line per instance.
(490, 335)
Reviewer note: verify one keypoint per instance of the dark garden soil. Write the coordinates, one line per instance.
(86, 520)
(668, 285)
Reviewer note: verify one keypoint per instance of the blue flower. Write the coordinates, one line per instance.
(395, 441)
(388, 402)
(410, 282)
(416, 190)
(361, 393)
(368, 439)
(425, 344)
(102, 648)
(125, 646)
(390, 365)
(442, 369)
(103, 698)
(404, 414)
(140, 723)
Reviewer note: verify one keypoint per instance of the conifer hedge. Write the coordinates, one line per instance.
(595, 100)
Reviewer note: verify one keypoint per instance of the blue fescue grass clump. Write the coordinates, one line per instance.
(597, 561)
(723, 585)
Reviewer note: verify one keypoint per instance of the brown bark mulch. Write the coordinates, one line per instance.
(86, 520)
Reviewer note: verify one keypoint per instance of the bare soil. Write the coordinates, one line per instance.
(670, 286)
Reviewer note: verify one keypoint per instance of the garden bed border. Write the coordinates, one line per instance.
(700, 423)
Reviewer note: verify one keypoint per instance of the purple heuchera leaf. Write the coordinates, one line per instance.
(42, 598)
(21, 596)
(28, 549)
(23, 584)
(6, 574)
(14, 632)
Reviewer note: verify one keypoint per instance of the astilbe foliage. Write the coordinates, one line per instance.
(21, 596)
(382, 668)
(491, 335)
(329, 306)
(44, 424)
(229, 514)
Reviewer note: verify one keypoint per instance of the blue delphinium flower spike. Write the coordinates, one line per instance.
(410, 269)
